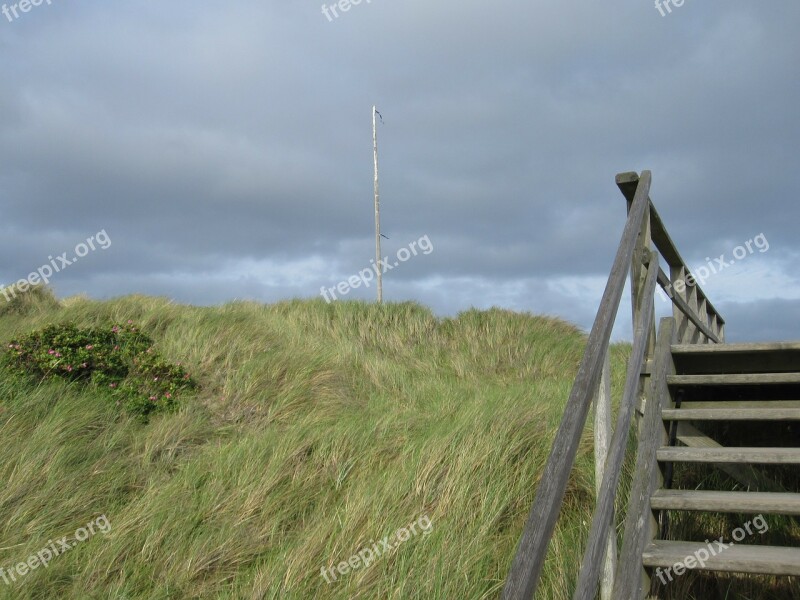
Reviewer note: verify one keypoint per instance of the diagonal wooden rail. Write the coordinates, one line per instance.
(604, 513)
(697, 322)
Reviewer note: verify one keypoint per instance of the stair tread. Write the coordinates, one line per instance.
(770, 357)
(737, 558)
(735, 348)
(715, 501)
(731, 414)
(729, 455)
(734, 379)
(760, 404)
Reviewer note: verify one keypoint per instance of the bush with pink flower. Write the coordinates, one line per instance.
(118, 360)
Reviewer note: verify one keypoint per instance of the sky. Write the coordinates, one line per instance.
(224, 150)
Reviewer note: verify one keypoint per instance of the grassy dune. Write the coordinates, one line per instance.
(318, 430)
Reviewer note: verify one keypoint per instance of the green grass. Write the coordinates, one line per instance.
(317, 430)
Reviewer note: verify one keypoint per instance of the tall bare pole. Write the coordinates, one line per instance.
(377, 207)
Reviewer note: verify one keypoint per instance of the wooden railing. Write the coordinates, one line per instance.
(697, 322)
(697, 319)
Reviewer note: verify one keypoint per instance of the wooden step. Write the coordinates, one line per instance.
(764, 456)
(731, 349)
(736, 558)
(732, 414)
(734, 379)
(759, 404)
(775, 357)
(746, 474)
(732, 502)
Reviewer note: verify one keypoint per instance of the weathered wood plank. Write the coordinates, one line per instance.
(766, 405)
(602, 438)
(529, 559)
(748, 476)
(662, 240)
(686, 310)
(735, 379)
(739, 358)
(669, 251)
(732, 414)
(603, 515)
(639, 523)
(731, 502)
(737, 348)
(764, 456)
(764, 560)
(681, 314)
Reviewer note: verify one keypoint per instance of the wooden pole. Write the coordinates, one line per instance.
(379, 267)
(602, 438)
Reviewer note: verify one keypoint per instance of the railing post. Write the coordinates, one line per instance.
(692, 301)
(702, 310)
(631, 581)
(638, 275)
(677, 277)
(602, 437)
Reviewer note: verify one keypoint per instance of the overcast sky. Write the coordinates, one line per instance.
(226, 148)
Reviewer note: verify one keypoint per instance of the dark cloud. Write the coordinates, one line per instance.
(226, 149)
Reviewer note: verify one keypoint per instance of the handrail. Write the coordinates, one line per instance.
(680, 303)
(697, 321)
(589, 576)
(691, 304)
(527, 565)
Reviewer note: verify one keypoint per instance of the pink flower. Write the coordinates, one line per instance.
(116, 347)
(58, 354)
(167, 395)
(51, 351)
(69, 367)
(115, 329)
(129, 321)
(152, 398)
(112, 385)
(89, 347)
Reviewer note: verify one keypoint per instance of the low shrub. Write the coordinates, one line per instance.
(118, 360)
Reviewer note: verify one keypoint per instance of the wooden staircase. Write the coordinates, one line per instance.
(696, 403)
(711, 386)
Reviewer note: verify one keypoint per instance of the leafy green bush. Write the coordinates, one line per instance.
(119, 361)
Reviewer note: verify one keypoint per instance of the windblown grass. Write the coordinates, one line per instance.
(317, 429)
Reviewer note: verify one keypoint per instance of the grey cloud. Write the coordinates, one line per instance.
(207, 140)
